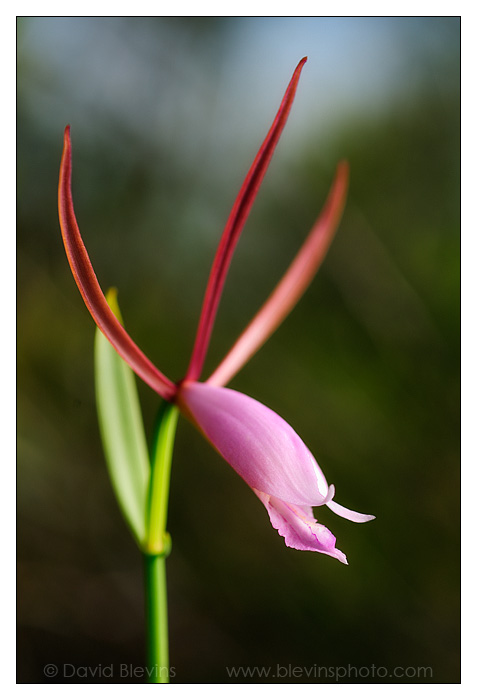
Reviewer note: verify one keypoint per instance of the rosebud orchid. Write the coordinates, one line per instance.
(262, 448)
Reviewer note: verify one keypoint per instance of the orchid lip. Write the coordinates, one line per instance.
(299, 528)
(271, 458)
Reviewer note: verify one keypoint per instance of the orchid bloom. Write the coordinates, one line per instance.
(262, 448)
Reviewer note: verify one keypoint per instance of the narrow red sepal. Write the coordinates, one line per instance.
(91, 291)
(233, 229)
(292, 285)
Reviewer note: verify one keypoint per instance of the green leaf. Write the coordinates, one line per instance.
(122, 430)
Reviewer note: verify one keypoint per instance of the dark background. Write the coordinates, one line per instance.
(166, 116)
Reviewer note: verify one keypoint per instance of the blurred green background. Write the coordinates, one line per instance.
(166, 116)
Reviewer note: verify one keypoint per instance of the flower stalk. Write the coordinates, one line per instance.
(157, 545)
(157, 631)
(157, 538)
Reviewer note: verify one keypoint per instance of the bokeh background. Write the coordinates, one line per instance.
(166, 116)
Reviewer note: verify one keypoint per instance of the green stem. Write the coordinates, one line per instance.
(157, 539)
(157, 546)
(156, 618)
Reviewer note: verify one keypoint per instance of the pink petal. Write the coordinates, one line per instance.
(262, 448)
(292, 285)
(91, 291)
(299, 527)
(233, 229)
(349, 514)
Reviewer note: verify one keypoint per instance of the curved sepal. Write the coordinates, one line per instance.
(233, 228)
(90, 290)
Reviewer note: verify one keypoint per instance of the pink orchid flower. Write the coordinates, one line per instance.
(262, 448)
